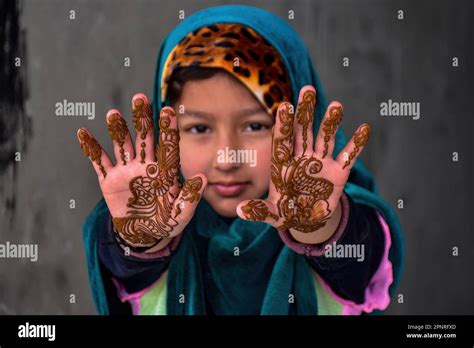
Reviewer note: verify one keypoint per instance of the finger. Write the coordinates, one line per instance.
(167, 150)
(188, 199)
(258, 210)
(326, 134)
(143, 119)
(282, 145)
(303, 124)
(92, 149)
(354, 147)
(118, 131)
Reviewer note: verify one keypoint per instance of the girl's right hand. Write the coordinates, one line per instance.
(142, 189)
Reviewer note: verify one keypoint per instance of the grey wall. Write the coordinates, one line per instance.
(402, 60)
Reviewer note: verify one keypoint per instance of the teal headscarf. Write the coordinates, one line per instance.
(265, 272)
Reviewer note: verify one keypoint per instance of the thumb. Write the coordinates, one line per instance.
(258, 210)
(188, 199)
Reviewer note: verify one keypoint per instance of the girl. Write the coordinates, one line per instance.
(189, 229)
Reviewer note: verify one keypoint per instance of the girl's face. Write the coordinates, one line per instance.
(225, 134)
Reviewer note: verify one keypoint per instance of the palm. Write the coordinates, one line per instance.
(115, 186)
(143, 192)
(306, 182)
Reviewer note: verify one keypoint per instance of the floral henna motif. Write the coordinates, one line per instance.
(330, 126)
(257, 211)
(360, 139)
(91, 149)
(303, 202)
(149, 217)
(305, 114)
(190, 192)
(143, 120)
(118, 132)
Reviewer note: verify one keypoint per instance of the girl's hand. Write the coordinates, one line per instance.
(142, 189)
(306, 183)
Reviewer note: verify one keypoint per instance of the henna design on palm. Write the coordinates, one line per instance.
(142, 199)
(303, 196)
(151, 204)
(306, 182)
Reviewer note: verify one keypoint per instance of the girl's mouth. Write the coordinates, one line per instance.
(230, 189)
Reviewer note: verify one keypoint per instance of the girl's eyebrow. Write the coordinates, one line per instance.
(250, 112)
(196, 113)
(241, 113)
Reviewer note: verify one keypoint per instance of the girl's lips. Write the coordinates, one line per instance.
(229, 190)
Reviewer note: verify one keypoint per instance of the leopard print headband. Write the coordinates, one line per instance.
(240, 51)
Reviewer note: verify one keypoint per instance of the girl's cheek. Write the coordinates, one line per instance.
(193, 159)
(262, 169)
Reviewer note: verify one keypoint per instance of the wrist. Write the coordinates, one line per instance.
(323, 234)
(319, 249)
(162, 246)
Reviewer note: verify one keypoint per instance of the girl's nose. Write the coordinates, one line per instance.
(226, 150)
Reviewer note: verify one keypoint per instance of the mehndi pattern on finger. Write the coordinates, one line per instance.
(303, 202)
(190, 192)
(118, 132)
(361, 137)
(149, 217)
(330, 125)
(305, 114)
(91, 149)
(256, 210)
(143, 119)
(283, 144)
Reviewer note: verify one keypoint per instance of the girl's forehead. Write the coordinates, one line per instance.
(221, 94)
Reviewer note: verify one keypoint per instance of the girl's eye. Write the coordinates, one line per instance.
(256, 126)
(198, 129)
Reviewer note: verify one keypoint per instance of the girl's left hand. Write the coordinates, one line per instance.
(306, 183)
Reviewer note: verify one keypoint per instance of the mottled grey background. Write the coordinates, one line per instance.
(402, 60)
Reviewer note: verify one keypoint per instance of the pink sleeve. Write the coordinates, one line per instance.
(376, 294)
(134, 297)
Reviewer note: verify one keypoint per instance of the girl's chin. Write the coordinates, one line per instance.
(226, 211)
(224, 207)
(228, 215)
